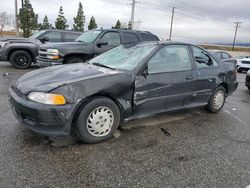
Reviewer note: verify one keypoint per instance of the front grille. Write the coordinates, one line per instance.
(245, 62)
(43, 53)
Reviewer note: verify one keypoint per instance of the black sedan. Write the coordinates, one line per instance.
(248, 80)
(91, 100)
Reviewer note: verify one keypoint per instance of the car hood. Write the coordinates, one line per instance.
(47, 79)
(21, 40)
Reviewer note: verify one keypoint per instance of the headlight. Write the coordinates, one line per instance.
(52, 54)
(248, 73)
(47, 98)
(3, 43)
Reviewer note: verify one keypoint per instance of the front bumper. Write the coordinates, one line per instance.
(48, 62)
(44, 119)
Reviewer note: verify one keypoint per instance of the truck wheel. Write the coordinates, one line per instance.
(21, 59)
(217, 100)
(98, 120)
(73, 60)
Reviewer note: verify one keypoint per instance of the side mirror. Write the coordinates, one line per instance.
(44, 39)
(100, 43)
(208, 62)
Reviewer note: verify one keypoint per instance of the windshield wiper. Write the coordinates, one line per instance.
(101, 65)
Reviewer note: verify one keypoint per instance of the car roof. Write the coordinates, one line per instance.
(125, 29)
(61, 30)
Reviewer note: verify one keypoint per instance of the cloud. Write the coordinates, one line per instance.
(194, 21)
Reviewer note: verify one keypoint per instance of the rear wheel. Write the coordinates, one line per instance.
(217, 100)
(21, 59)
(98, 120)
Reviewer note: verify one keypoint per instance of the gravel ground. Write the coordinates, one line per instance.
(198, 150)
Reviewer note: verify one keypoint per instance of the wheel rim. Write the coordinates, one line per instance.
(219, 98)
(21, 60)
(100, 121)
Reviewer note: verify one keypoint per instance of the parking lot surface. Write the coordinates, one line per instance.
(191, 148)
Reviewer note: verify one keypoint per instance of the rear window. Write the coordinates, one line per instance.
(130, 37)
(149, 37)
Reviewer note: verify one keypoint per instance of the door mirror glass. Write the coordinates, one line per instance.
(101, 42)
(44, 39)
(203, 61)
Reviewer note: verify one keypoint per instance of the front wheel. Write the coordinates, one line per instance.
(98, 120)
(217, 100)
(21, 59)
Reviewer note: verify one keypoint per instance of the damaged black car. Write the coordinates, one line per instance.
(92, 99)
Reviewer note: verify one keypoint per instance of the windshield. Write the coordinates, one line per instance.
(124, 58)
(88, 36)
(36, 34)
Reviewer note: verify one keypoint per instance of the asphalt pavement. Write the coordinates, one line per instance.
(191, 148)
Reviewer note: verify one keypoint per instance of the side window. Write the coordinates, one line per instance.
(130, 37)
(113, 38)
(201, 57)
(170, 59)
(53, 36)
(226, 56)
(69, 37)
(149, 37)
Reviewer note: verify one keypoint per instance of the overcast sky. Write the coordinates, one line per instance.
(195, 20)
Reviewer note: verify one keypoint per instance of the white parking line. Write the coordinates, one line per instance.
(235, 117)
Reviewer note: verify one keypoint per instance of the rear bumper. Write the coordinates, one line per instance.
(44, 119)
(47, 62)
(232, 87)
(3, 57)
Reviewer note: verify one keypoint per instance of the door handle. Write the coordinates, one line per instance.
(189, 77)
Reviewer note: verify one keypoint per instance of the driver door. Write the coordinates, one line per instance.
(170, 81)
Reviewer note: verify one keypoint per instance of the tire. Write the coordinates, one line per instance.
(101, 112)
(71, 60)
(21, 59)
(217, 100)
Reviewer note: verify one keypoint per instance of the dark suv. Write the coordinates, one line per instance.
(21, 52)
(90, 44)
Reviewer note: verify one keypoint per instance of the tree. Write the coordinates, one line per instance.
(5, 20)
(79, 20)
(27, 19)
(46, 24)
(117, 25)
(92, 23)
(61, 22)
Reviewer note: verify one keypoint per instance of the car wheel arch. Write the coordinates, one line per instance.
(17, 49)
(84, 101)
(223, 84)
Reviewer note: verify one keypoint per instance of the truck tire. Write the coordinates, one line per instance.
(98, 120)
(21, 59)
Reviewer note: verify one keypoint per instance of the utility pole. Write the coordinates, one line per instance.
(132, 20)
(235, 34)
(172, 22)
(16, 18)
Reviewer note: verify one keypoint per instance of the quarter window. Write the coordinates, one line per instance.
(170, 59)
(113, 38)
(201, 57)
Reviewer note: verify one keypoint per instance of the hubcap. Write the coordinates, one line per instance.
(100, 121)
(219, 99)
(21, 60)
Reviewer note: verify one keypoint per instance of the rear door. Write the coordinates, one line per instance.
(170, 81)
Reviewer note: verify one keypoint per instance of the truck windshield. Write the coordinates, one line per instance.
(88, 36)
(36, 34)
(124, 58)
